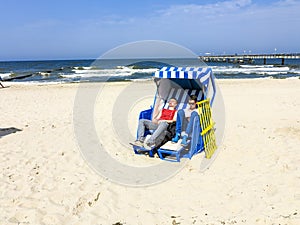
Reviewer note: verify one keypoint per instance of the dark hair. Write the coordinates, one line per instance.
(173, 99)
(193, 98)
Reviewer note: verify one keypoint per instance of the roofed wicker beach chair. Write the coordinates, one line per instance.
(180, 83)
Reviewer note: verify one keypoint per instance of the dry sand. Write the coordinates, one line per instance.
(254, 179)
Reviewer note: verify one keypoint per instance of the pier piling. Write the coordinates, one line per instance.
(249, 58)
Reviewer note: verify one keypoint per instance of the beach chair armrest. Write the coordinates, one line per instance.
(146, 114)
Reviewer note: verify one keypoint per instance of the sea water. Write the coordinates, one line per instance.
(110, 70)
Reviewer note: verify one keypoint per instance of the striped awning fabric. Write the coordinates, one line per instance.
(202, 74)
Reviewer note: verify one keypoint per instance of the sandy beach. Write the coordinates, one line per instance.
(45, 179)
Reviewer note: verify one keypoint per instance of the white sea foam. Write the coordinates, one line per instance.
(256, 66)
(252, 69)
(118, 72)
(5, 75)
(44, 73)
(123, 71)
(82, 67)
(295, 71)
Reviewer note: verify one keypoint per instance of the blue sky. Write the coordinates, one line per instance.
(77, 29)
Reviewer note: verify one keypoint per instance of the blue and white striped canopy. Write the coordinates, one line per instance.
(202, 74)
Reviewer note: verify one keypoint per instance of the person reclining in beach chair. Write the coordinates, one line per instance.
(159, 124)
(185, 120)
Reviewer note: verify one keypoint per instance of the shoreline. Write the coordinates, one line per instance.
(35, 83)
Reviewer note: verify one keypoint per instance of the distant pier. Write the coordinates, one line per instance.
(249, 58)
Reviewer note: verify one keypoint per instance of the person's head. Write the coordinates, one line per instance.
(192, 102)
(172, 102)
